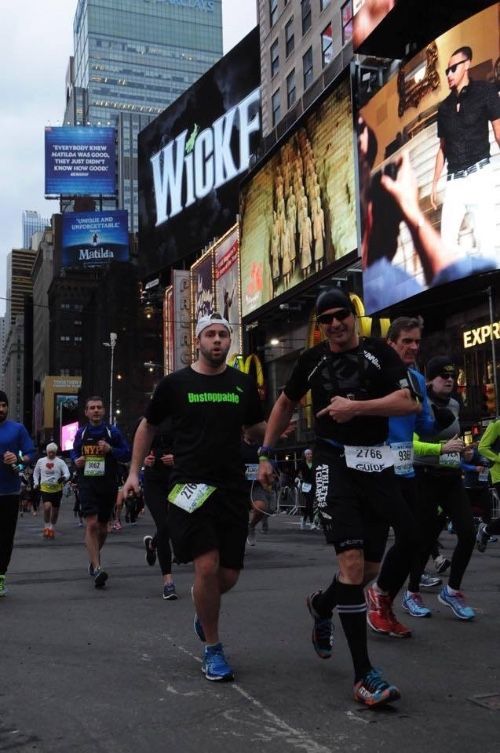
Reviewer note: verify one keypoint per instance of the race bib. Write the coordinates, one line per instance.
(306, 487)
(190, 497)
(403, 458)
(95, 465)
(251, 471)
(483, 475)
(369, 459)
(450, 460)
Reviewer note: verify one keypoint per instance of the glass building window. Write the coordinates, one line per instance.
(307, 68)
(276, 106)
(324, 4)
(327, 45)
(291, 89)
(346, 21)
(289, 38)
(273, 11)
(305, 6)
(275, 58)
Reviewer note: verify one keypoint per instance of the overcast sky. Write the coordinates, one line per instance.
(37, 40)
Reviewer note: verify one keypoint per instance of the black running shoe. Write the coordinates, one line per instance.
(322, 632)
(150, 550)
(100, 578)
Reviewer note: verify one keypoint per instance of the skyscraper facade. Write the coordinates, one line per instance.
(131, 59)
(32, 223)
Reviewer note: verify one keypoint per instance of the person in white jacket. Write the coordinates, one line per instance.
(50, 475)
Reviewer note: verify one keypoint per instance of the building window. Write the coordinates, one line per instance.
(327, 45)
(273, 11)
(275, 58)
(307, 68)
(346, 21)
(289, 37)
(291, 89)
(306, 15)
(324, 4)
(276, 106)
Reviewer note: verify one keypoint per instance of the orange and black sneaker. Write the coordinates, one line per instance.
(372, 690)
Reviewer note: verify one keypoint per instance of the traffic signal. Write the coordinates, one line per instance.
(490, 402)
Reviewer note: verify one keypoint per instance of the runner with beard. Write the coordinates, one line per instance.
(209, 403)
(355, 385)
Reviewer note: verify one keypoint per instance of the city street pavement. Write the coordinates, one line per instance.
(118, 670)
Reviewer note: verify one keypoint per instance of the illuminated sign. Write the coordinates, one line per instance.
(80, 161)
(93, 238)
(480, 335)
(191, 167)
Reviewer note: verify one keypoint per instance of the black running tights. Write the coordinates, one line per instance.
(155, 496)
(9, 509)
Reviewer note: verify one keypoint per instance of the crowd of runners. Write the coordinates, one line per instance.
(388, 454)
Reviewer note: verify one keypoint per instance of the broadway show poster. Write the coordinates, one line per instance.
(430, 169)
(181, 286)
(192, 158)
(202, 288)
(298, 212)
(91, 239)
(227, 287)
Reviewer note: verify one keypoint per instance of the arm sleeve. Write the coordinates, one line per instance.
(425, 448)
(488, 439)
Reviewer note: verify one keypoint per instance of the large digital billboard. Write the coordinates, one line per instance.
(192, 157)
(366, 16)
(429, 167)
(91, 239)
(298, 212)
(80, 161)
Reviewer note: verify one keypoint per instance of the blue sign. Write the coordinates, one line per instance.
(92, 239)
(80, 161)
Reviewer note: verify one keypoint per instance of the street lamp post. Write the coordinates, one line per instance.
(113, 337)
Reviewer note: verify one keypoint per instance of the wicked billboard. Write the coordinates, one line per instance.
(192, 157)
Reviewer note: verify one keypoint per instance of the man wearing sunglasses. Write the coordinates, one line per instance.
(463, 119)
(355, 385)
(439, 477)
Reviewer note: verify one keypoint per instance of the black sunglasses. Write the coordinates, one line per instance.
(448, 374)
(453, 68)
(339, 315)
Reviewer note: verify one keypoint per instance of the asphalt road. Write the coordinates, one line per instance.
(118, 670)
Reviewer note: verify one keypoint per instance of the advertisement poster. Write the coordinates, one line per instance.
(298, 212)
(367, 14)
(90, 239)
(68, 433)
(181, 288)
(80, 161)
(202, 288)
(227, 287)
(430, 168)
(192, 157)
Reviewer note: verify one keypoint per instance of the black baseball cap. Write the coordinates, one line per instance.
(441, 366)
(334, 298)
(3, 397)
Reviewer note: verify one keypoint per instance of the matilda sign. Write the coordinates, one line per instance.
(193, 156)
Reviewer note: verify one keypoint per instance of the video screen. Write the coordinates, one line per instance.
(298, 212)
(429, 168)
(92, 239)
(80, 161)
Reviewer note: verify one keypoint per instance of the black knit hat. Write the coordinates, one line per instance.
(439, 365)
(332, 299)
(3, 397)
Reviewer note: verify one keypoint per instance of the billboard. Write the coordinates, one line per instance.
(68, 433)
(428, 167)
(191, 159)
(202, 287)
(366, 16)
(80, 161)
(298, 212)
(227, 287)
(90, 239)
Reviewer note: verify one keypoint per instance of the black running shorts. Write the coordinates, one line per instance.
(359, 507)
(220, 523)
(53, 497)
(98, 502)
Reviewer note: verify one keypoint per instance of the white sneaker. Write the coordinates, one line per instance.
(251, 536)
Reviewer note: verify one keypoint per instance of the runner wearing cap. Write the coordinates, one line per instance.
(209, 403)
(437, 465)
(355, 385)
(50, 474)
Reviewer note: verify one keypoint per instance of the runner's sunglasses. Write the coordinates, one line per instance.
(339, 315)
